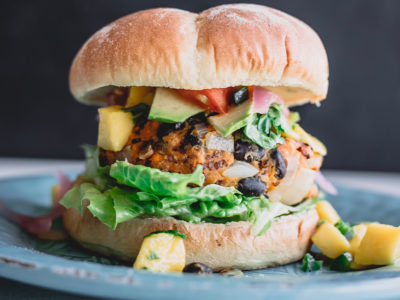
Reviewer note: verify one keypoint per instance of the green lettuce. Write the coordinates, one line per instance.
(118, 205)
(155, 181)
(140, 191)
(265, 130)
(276, 209)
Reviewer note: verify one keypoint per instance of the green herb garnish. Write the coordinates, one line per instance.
(138, 111)
(265, 130)
(345, 229)
(342, 262)
(310, 264)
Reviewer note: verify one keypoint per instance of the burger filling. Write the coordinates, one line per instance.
(219, 155)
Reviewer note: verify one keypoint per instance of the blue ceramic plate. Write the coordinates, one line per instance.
(79, 272)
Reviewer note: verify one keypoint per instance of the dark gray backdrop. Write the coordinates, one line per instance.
(358, 122)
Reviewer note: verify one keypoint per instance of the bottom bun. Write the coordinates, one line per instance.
(217, 245)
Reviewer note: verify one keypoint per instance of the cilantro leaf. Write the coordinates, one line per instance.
(310, 264)
(345, 229)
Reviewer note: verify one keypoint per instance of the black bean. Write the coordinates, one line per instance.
(134, 141)
(198, 268)
(248, 151)
(280, 165)
(240, 95)
(252, 186)
(166, 128)
(190, 139)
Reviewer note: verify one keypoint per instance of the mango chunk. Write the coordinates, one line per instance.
(161, 252)
(115, 127)
(326, 211)
(140, 94)
(380, 245)
(330, 240)
(359, 232)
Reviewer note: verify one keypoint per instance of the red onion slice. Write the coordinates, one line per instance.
(263, 98)
(64, 183)
(325, 184)
(42, 224)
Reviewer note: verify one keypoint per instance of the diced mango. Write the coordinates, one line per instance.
(55, 190)
(161, 252)
(139, 94)
(326, 211)
(330, 240)
(359, 232)
(380, 245)
(115, 127)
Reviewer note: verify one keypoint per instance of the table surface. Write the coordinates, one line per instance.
(10, 167)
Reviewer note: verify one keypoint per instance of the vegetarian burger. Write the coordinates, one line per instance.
(196, 135)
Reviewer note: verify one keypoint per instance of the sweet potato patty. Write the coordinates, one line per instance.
(180, 147)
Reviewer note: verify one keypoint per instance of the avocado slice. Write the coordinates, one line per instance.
(236, 118)
(169, 107)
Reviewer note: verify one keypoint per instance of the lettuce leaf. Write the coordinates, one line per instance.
(129, 191)
(118, 205)
(155, 181)
(265, 130)
(101, 204)
(276, 209)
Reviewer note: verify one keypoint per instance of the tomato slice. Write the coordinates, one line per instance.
(216, 100)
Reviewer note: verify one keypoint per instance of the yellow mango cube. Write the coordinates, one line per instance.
(326, 211)
(115, 127)
(140, 94)
(359, 232)
(380, 245)
(330, 240)
(161, 252)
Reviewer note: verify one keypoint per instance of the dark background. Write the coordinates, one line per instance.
(358, 122)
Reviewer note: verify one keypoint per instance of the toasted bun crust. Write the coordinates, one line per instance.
(227, 45)
(216, 245)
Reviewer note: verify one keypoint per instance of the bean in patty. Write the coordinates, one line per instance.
(248, 151)
(280, 165)
(252, 186)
